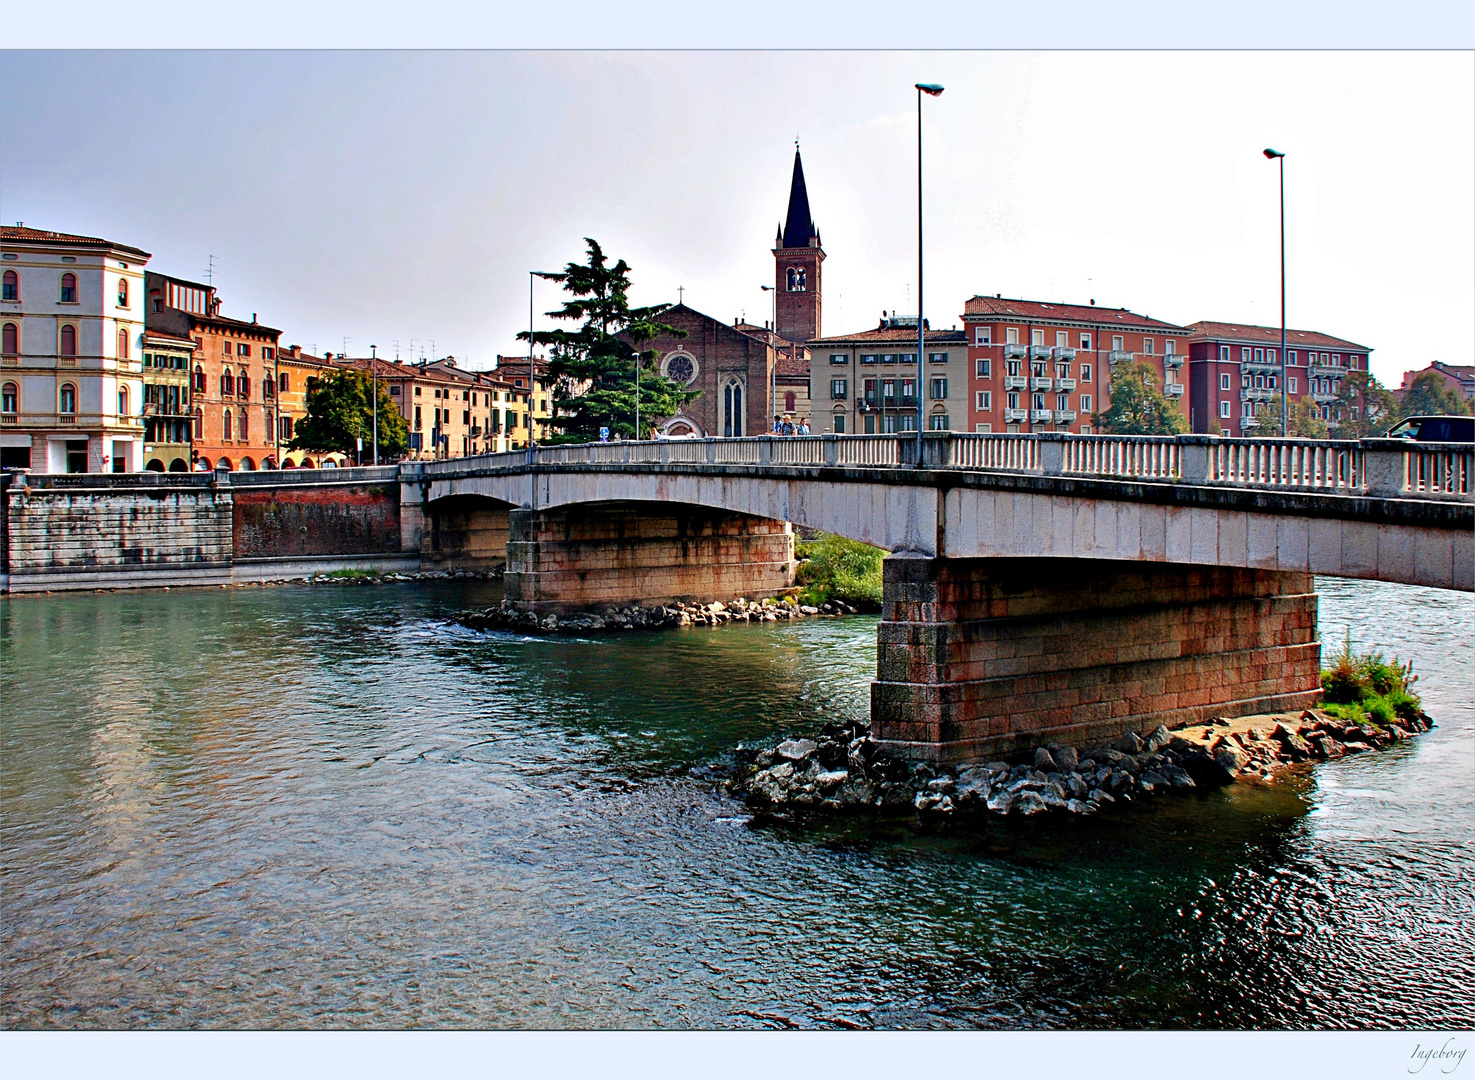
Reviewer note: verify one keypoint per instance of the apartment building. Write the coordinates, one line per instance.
(1034, 365)
(870, 383)
(71, 362)
(1235, 373)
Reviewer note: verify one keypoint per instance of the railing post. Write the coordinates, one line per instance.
(665, 453)
(711, 451)
(765, 450)
(1195, 452)
(1385, 467)
(831, 446)
(1052, 452)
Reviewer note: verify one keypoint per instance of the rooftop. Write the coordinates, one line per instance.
(1270, 335)
(21, 234)
(901, 335)
(1004, 307)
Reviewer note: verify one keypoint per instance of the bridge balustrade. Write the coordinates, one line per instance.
(1303, 464)
(1012, 453)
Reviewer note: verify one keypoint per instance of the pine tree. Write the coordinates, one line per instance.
(593, 369)
(340, 411)
(1137, 405)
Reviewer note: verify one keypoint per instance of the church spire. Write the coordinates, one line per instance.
(799, 230)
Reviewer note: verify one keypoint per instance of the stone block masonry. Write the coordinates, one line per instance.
(985, 656)
(595, 557)
(285, 522)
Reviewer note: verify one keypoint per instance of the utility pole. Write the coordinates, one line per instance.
(374, 369)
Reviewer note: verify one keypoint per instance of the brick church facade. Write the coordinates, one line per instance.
(748, 374)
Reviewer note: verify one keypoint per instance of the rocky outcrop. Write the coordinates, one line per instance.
(843, 770)
(658, 617)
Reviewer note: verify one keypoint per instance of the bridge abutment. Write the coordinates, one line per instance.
(593, 557)
(985, 656)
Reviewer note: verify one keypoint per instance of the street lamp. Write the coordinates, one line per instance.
(773, 368)
(374, 373)
(1285, 419)
(931, 90)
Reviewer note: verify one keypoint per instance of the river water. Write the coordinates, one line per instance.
(308, 807)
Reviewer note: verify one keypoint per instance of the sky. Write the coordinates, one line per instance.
(384, 197)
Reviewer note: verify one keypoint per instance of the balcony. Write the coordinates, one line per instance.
(1040, 383)
(1013, 416)
(1016, 382)
(867, 404)
(1065, 384)
(1015, 352)
(1246, 422)
(1260, 367)
(1173, 389)
(1063, 352)
(1258, 393)
(9, 418)
(1116, 356)
(1043, 416)
(1324, 399)
(1065, 416)
(1334, 371)
(1173, 360)
(1039, 352)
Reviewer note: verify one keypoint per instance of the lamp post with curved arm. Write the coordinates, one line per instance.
(931, 90)
(1285, 419)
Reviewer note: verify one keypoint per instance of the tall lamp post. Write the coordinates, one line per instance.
(931, 90)
(374, 370)
(1285, 418)
(773, 368)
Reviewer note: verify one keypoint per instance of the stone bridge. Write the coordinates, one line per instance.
(1039, 587)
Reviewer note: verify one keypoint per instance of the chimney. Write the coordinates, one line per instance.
(253, 318)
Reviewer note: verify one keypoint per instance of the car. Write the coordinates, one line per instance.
(1435, 429)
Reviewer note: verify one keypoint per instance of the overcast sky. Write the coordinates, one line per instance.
(405, 196)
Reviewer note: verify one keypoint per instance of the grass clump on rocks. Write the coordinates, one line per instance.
(834, 568)
(1369, 687)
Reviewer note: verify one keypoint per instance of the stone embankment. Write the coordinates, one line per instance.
(843, 770)
(369, 577)
(659, 617)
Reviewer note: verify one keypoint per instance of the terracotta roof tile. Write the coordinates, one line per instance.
(23, 234)
(986, 307)
(901, 335)
(1269, 335)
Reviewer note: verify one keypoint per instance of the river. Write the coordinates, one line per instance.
(332, 807)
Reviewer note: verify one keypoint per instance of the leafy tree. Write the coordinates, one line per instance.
(340, 411)
(593, 368)
(1427, 395)
(1306, 421)
(1364, 407)
(1138, 406)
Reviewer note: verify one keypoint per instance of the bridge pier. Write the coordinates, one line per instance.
(606, 555)
(985, 656)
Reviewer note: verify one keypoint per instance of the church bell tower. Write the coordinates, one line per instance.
(797, 257)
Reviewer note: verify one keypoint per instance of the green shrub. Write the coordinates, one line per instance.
(1362, 688)
(835, 568)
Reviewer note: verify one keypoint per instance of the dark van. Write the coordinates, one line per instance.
(1435, 429)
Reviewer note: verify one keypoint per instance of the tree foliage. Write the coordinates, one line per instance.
(1364, 407)
(1137, 406)
(1428, 395)
(835, 568)
(1306, 421)
(593, 368)
(340, 411)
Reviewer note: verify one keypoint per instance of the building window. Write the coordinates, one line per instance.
(268, 388)
(67, 399)
(11, 337)
(940, 422)
(1116, 343)
(227, 383)
(1085, 403)
(839, 389)
(1336, 359)
(1011, 335)
(1270, 382)
(123, 402)
(1085, 372)
(225, 347)
(870, 389)
(1224, 354)
(267, 354)
(1062, 339)
(199, 426)
(1037, 337)
(1270, 356)
(839, 358)
(417, 391)
(243, 385)
(1291, 357)
(984, 400)
(937, 358)
(1147, 346)
(284, 382)
(796, 279)
(122, 292)
(1224, 410)
(1223, 380)
(225, 425)
(9, 396)
(245, 429)
(69, 340)
(1259, 356)
(1013, 401)
(789, 400)
(939, 389)
(12, 285)
(839, 427)
(1086, 342)
(1259, 382)
(985, 369)
(199, 379)
(69, 288)
(1290, 384)
(982, 336)
(1169, 346)
(122, 343)
(1062, 401)
(1039, 402)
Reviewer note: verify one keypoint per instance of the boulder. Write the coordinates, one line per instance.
(828, 781)
(1293, 746)
(1051, 800)
(1067, 759)
(1076, 806)
(1159, 738)
(1043, 761)
(1100, 796)
(1002, 802)
(943, 785)
(1076, 784)
(1152, 780)
(996, 769)
(796, 749)
(1031, 803)
(1229, 758)
(1352, 746)
(1129, 743)
(1178, 777)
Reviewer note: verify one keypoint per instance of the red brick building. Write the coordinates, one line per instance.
(1235, 372)
(1035, 365)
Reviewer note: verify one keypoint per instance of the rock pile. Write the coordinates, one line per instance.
(844, 770)
(658, 617)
